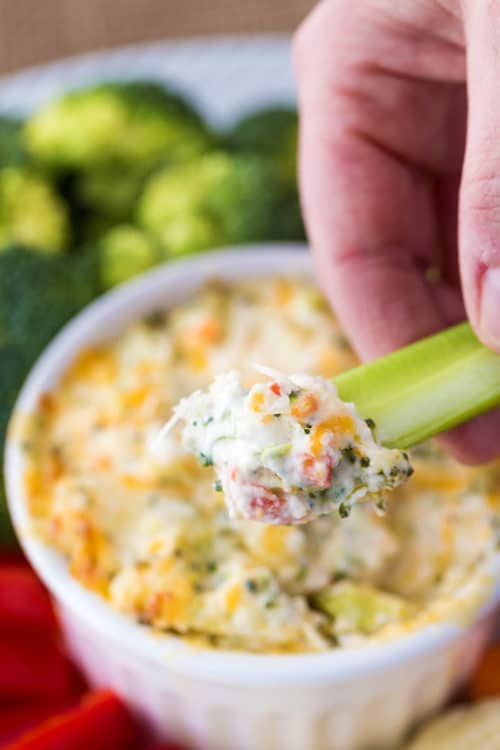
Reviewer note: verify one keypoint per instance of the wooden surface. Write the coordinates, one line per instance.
(33, 31)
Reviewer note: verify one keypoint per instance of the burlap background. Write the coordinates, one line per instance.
(33, 31)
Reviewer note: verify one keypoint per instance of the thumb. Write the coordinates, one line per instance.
(479, 219)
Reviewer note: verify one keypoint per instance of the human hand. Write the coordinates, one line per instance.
(400, 173)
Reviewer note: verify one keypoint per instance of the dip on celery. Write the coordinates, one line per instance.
(153, 537)
(288, 450)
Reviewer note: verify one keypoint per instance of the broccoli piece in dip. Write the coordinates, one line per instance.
(287, 450)
(359, 607)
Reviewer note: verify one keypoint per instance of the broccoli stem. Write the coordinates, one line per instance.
(425, 388)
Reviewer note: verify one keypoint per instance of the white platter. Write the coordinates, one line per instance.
(224, 76)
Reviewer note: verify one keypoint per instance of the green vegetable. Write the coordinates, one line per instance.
(220, 199)
(31, 211)
(271, 132)
(349, 454)
(110, 192)
(425, 388)
(89, 229)
(12, 151)
(276, 451)
(132, 123)
(344, 510)
(359, 607)
(185, 234)
(7, 536)
(38, 294)
(124, 252)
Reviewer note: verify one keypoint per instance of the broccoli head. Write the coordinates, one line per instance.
(124, 252)
(38, 294)
(271, 132)
(12, 151)
(132, 123)
(359, 607)
(89, 228)
(220, 199)
(109, 191)
(31, 211)
(189, 233)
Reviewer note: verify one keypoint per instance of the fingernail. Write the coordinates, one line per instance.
(489, 323)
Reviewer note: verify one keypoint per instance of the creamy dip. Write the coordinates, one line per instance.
(287, 450)
(153, 537)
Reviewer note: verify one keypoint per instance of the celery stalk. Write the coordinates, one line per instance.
(425, 388)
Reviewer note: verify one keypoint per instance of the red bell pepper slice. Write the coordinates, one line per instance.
(100, 722)
(23, 599)
(20, 717)
(268, 504)
(32, 666)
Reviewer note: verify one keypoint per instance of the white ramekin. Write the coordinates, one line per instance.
(216, 700)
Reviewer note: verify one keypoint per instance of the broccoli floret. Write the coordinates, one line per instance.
(12, 151)
(124, 252)
(272, 132)
(220, 199)
(131, 123)
(31, 211)
(360, 608)
(109, 191)
(190, 233)
(38, 294)
(91, 228)
(7, 536)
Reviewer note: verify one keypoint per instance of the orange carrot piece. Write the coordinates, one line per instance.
(485, 681)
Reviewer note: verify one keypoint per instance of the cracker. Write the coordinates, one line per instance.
(474, 727)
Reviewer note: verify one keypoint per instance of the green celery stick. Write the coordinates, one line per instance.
(423, 389)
